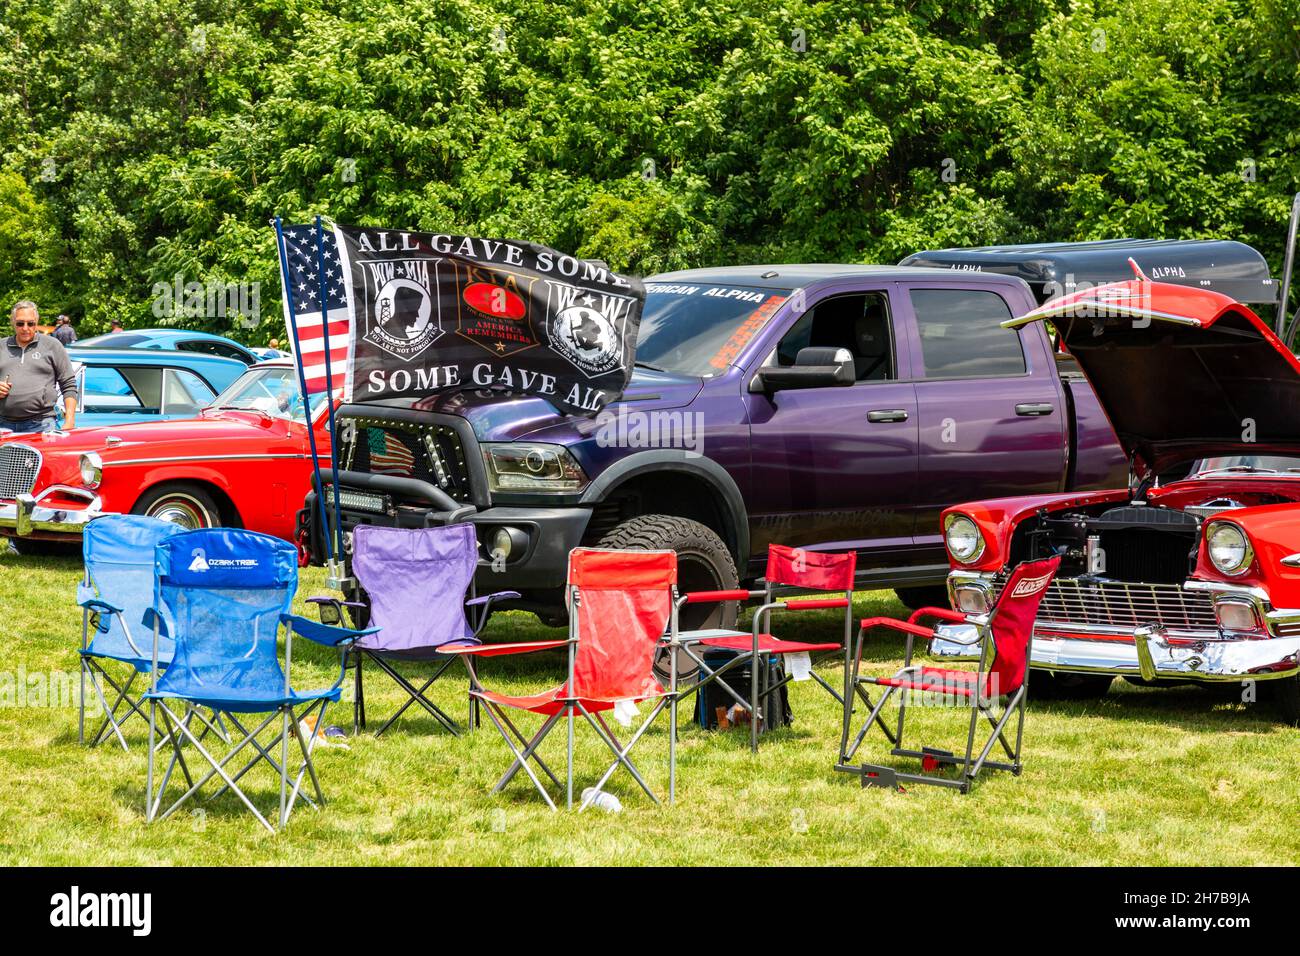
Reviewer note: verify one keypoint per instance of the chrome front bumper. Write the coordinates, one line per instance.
(1149, 656)
(26, 514)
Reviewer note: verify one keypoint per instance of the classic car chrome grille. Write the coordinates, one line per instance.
(19, 465)
(1123, 606)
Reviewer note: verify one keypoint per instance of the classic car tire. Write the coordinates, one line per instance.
(703, 562)
(1287, 695)
(1048, 686)
(180, 500)
(935, 595)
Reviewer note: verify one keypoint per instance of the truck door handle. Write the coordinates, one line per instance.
(887, 415)
(1033, 409)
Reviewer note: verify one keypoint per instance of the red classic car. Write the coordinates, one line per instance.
(244, 462)
(1192, 573)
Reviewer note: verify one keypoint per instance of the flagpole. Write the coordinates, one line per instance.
(302, 381)
(336, 573)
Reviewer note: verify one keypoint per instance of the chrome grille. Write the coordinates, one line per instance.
(19, 465)
(1124, 606)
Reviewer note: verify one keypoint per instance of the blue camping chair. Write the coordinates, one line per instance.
(114, 595)
(221, 595)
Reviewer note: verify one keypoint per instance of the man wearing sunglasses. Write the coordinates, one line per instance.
(34, 369)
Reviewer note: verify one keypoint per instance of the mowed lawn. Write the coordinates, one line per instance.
(1183, 776)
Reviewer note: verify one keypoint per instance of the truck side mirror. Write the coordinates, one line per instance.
(812, 368)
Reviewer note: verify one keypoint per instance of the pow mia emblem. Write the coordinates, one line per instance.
(587, 328)
(402, 318)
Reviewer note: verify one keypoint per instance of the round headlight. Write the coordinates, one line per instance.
(1229, 548)
(92, 470)
(963, 538)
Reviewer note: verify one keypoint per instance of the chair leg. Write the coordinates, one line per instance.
(358, 695)
(148, 786)
(521, 758)
(620, 752)
(525, 742)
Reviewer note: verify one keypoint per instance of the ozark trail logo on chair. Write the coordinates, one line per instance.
(1031, 586)
(403, 319)
(201, 562)
(587, 327)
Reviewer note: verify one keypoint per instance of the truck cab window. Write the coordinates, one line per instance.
(962, 336)
(858, 322)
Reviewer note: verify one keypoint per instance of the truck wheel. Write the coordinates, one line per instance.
(1066, 686)
(935, 595)
(703, 562)
(182, 503)
(1287, 694)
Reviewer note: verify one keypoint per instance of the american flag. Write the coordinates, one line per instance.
(304, 293)
(388, 454)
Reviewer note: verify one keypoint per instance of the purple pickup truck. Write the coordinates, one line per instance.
(830, 406)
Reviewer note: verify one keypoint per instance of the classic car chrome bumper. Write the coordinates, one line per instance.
(26, 514)
(1150, 655)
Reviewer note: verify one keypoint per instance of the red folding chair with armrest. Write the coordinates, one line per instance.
(786, 568)
(1004, 639)
(620, 603)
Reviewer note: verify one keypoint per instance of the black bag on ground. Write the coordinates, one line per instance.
(715, 697)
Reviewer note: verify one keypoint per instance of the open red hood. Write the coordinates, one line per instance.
(1182, 372)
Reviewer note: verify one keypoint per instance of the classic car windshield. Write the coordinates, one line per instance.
(697, 328)
(1247, 464)
(270, 390)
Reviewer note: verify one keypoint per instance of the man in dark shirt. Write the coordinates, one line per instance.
(64, 332)
(34, 369)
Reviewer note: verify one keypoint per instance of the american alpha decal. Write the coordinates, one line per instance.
(433, 313)
(404, 320)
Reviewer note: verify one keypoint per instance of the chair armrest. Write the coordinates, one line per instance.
(323, 634)
(906, 627)
(942, 613)
(150, 616)
(330, 600)
(716, 597)
(497, 650)
(99, 604)
(496, 596)
(812, 604)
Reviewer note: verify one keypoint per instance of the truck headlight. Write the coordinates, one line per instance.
(963, 538)
(92, 470)
(531, 468)
(1228, 547)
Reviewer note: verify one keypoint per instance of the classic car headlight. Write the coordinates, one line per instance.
(531, 468)
(92, 470)
(963, 538)
(1228, 547)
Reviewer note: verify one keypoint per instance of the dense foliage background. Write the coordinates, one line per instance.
(146, 138)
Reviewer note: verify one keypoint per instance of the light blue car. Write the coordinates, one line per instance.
(120, 386)
(171, 340)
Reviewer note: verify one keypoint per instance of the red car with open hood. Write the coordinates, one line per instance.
(1192, 573)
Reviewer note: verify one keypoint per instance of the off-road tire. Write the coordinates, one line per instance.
(703, 561)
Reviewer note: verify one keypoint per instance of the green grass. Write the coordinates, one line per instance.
(1170, 776)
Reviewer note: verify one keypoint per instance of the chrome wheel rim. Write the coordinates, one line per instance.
(181, 510)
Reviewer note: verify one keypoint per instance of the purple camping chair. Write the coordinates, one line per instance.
(416, 581)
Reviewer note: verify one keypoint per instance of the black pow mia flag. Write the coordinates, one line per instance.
(431, 313)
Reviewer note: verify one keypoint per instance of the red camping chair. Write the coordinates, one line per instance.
(620, 604)
(786, 568)
(1003, 636)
